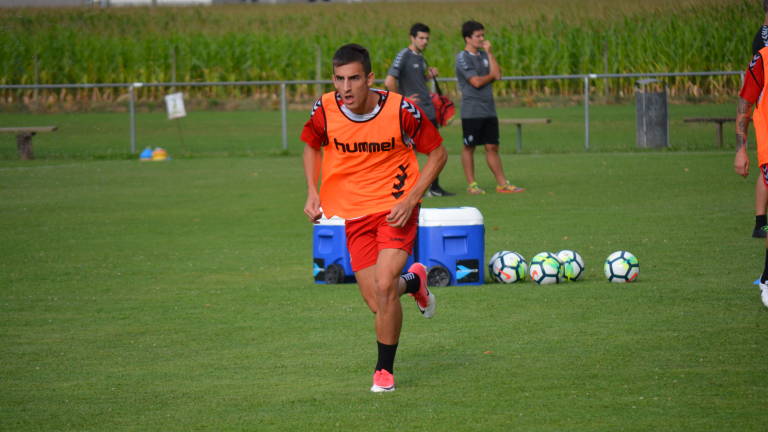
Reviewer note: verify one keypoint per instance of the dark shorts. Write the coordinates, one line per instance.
(480, 131)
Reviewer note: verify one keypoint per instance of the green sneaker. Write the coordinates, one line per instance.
(474, 189)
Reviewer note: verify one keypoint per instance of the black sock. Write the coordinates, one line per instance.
(412, 282)
(386, 357)
(761, 221)
(764, 277)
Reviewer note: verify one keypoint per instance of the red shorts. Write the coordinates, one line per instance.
(368, 235)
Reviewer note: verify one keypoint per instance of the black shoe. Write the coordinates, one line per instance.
(437, 191)
(759, 232)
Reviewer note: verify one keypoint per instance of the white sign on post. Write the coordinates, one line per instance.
(174, 102)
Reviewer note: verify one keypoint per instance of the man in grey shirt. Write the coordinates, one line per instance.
(408, 76)
(476, 70)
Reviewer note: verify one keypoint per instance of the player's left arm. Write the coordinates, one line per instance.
(426, 140)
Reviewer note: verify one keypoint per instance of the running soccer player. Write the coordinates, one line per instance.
(408, 75)
(476, 70)
(761, 189)
(752, 94)
(364, 142)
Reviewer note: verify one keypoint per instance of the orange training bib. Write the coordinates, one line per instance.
(367, 168)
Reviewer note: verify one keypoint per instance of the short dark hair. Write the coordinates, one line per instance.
(421, 27)
(352, 53)
(470, 27)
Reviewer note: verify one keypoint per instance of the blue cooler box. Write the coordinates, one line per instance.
(329, 252)
(452, 245)
(330, 257)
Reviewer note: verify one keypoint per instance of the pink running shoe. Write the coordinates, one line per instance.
(383, 381)
(425, 300)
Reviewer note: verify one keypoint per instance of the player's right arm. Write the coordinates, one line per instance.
(750, 92)
(312, 160)
(314, 136)
(741, 160)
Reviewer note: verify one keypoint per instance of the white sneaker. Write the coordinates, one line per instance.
(764, 293)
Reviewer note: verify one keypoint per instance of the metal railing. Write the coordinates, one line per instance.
(586, 78)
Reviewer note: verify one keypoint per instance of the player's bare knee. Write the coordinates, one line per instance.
(385, 290)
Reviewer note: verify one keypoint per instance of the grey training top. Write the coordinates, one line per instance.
(410, 69)
(475, 102)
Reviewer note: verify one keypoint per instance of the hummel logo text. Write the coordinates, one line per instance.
(365, 147)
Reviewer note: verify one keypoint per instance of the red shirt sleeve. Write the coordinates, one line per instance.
(753, 80)
(417, 129)
(314, 129)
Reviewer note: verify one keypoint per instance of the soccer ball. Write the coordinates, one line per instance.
(545, 268)
(490, 263)
(509, 267)
(621, 266)
(573, 264)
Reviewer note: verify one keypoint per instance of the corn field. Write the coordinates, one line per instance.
(289, 42)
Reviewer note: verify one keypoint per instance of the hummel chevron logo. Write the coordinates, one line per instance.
(400, 181)
(412, 109)
(317, 105)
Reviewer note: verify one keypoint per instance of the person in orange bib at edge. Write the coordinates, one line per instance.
(753, 93)
(364, 142)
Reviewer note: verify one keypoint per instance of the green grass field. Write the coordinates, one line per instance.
(178, 296)
(258, 133)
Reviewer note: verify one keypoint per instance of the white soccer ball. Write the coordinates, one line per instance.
(573, 264)
(545, 269)
(621, 267)
(490, 263)
(509, 267)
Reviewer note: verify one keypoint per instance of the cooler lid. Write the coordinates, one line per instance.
(451, 216)
(335, 220)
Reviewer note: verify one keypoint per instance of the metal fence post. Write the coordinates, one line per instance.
(586, 111)
(132, 110)
(284, 115)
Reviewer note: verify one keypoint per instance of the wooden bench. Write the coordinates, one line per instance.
(718, 120)
(24, 138)
(519, 123)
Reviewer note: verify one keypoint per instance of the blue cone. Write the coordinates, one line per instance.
(146, 154)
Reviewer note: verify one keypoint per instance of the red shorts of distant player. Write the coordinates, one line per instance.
(764, 172)
(368, 235)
